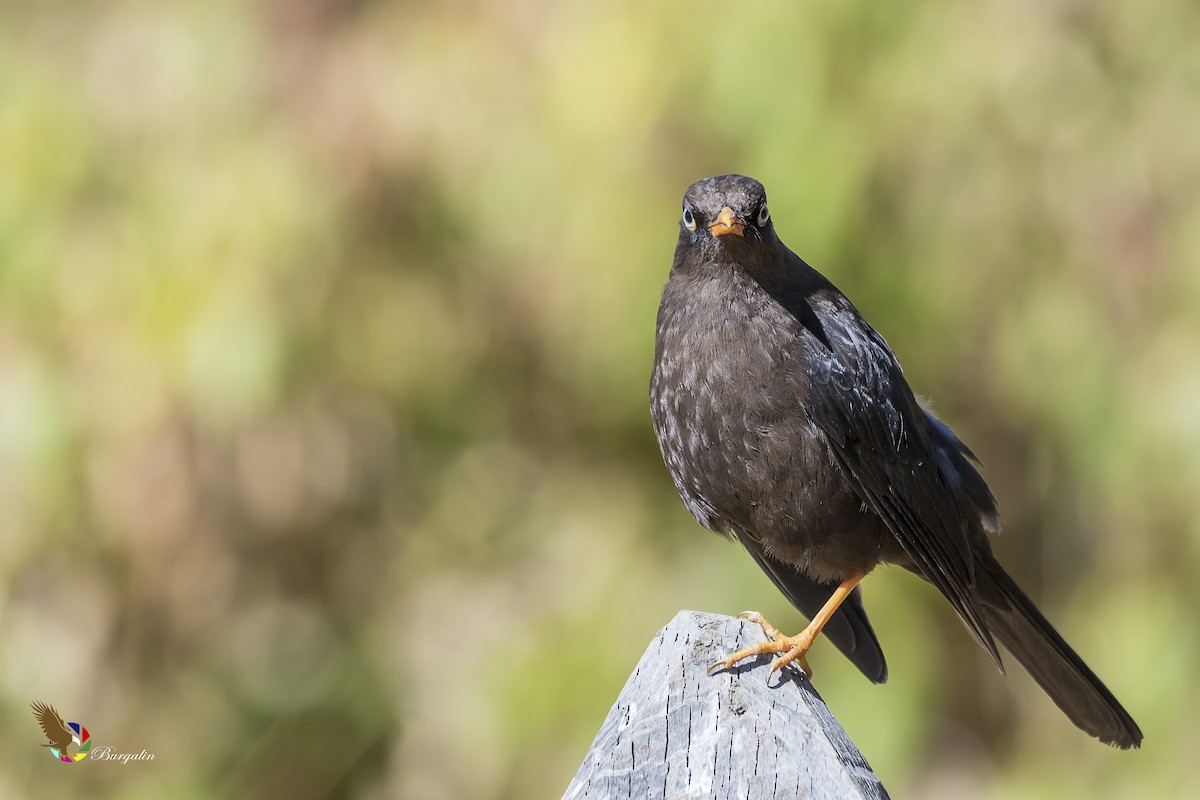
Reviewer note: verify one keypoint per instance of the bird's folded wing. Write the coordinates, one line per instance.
(879, 436)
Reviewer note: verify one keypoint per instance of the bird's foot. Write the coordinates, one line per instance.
(793, 648)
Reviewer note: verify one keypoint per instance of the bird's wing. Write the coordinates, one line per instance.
(881, 438)
(957, 465)
(52, 724)
(848, 628)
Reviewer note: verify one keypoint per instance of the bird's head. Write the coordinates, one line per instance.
(726, 217)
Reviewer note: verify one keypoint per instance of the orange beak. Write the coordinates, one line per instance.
(726, 222)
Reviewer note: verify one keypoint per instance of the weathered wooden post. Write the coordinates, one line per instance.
(675, 732)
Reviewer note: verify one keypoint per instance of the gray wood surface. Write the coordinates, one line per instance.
(675, 732)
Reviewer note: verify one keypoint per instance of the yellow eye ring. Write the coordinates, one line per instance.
(764, 216)
(689, 219)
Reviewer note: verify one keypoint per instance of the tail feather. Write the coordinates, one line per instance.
(1074, 688)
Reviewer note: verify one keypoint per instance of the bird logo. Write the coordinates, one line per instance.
(62, 735)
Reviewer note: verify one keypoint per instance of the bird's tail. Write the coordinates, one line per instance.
(1021, 628)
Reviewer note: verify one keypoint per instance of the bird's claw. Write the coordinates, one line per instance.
(727, 662)
(790, 648)
(795, 655)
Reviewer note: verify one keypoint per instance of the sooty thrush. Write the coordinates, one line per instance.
(786, 423)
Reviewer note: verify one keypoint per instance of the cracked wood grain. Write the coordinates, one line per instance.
(675, 732)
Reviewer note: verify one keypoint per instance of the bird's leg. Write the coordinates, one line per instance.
(794, 648)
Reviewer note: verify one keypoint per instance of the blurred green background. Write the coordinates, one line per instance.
(325, 332)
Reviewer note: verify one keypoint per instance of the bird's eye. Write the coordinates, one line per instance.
(764, 215)
(689, 221)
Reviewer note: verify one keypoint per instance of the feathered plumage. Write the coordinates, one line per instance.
(786, 422)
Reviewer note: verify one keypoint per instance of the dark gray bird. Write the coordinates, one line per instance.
(786, 423)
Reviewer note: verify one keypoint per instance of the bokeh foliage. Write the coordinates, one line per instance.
(325, 331)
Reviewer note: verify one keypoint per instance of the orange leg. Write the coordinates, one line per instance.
(794, 648)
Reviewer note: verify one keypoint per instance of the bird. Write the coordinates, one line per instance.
(786, 423)
(52, 724)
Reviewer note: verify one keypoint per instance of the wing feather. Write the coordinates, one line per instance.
(881, 438)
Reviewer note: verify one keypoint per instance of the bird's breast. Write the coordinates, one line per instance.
(727, 401)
